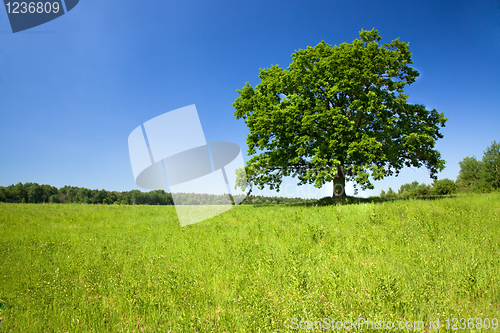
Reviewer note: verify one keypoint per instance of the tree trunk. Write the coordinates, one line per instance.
(339, 185)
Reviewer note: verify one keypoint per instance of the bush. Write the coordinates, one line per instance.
(421, 190)
(390, 195)
(403, 194)
(414, 190)
(408, 188)
(444, 187)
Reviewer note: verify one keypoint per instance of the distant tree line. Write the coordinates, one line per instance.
(258, 200)
(475, 176)
(35, 193)
(414, 189)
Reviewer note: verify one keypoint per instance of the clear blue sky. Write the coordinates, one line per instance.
(73, 89)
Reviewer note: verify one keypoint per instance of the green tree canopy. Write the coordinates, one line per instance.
(409, 187)
(483, 175)
(444, 187)
(338, 113)
(35, 193)
(491, 165)
(469, 174)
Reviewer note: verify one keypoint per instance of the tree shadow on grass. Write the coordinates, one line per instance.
(349, 200)
(328, 201)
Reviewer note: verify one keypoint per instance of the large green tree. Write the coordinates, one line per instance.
(338, 113)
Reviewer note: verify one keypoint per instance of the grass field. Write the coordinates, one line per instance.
(98, 268)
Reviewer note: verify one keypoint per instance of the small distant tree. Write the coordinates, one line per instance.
(126, 199)
(19, 193)
(111, 197)
(100, 197)
(83, 195)
(35, 193)
(414, 189)
(480, 176)
(48, 191)
(54, 199)
(491, 166)
(71, 194)
(444, 187)
(407, 189)
(137, 197)
(470, 174)
(390, 195)
(422, 190)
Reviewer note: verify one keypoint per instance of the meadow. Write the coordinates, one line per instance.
(112, 268)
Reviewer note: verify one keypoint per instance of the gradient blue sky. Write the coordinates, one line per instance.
(73, 89)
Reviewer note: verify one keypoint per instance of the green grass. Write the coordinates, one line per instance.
(86, 268)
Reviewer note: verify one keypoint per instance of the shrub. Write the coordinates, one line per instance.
(444, 187)
(414, 190)
(390, 195)
(407, 188)
(421, 190)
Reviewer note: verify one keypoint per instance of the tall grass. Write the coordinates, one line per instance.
(86, 268)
